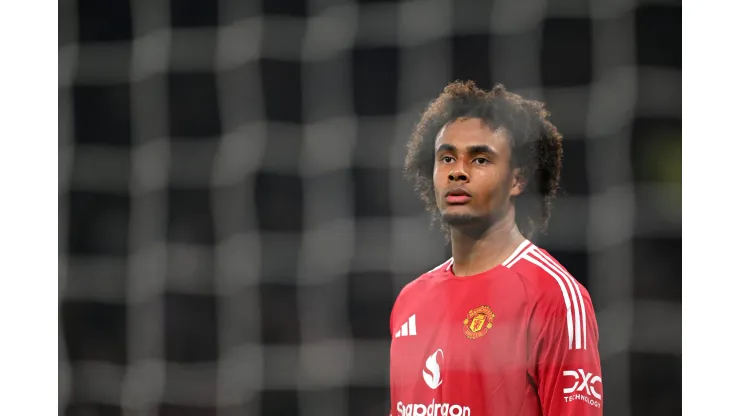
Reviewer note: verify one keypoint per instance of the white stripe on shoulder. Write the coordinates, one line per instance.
(574, 286)
(520, 256)
(516, 252)
(576, 313)
(441, 265)
(566, 296)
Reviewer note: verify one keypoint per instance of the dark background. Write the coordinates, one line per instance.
(234, 227)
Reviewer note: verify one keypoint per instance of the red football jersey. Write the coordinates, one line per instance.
(520, 339)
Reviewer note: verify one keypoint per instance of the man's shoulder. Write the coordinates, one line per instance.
(425, 277)
(543, 273)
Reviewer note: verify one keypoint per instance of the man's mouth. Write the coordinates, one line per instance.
(457, 196)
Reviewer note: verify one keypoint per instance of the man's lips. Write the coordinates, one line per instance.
(457, 199)
(457, 196)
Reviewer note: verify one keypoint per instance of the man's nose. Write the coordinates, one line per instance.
(458, 175)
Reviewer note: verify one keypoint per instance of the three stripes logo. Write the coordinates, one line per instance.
(408, 328)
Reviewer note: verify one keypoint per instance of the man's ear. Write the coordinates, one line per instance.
(518, 182)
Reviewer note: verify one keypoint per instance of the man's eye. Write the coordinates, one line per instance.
(447, 159)
(480, 161)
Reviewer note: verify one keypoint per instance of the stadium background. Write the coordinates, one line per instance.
(234, 227)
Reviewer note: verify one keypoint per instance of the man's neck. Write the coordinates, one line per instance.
(475, 253)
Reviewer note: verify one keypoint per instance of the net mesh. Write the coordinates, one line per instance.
(234, 227)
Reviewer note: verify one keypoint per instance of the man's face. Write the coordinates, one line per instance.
(473, 180)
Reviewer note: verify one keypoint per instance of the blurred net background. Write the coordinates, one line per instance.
(234, 227)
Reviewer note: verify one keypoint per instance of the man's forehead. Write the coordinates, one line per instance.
(485, 134)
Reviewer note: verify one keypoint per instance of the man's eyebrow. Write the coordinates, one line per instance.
(446, 147)
(481, 148)
(472, 149)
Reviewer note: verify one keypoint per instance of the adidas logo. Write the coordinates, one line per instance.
(408, 328)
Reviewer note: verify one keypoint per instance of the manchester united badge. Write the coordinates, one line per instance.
(478, 322)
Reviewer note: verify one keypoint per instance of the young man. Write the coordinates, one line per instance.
(501, 328)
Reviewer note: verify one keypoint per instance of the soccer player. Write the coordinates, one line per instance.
(501, 328)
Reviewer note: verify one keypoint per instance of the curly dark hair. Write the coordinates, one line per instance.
(536, 147)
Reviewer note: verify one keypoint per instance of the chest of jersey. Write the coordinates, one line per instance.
(459, 341)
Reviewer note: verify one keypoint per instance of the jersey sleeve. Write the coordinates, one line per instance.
(564, 357)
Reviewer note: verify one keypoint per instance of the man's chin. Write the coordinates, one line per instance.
(460, 219)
